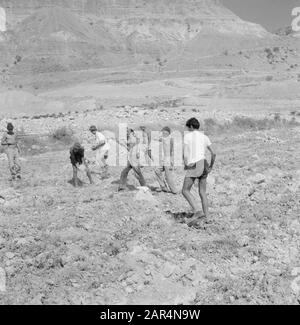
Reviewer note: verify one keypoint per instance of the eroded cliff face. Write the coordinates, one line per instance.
(124, 27)
(179, 18)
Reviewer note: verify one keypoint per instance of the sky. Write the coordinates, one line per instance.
(272, 14)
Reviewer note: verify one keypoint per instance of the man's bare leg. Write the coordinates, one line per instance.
(186, 192)
(89, 175)
(203, 196)
(124, 176)
(140, 175)
(161, 180)
(75, 177)
(105, 165)
(170, 180)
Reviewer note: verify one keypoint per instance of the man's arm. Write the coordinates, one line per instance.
(18, 144)
(88, 172)
(172, 151)
(99, 145)
(185, 154)
(3, 140)
(75, 177)
(18, 147)
(172, 147)
(149, 138)
(213, 158)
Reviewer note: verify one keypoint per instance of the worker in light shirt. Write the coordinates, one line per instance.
(197, 167)
(101, 148)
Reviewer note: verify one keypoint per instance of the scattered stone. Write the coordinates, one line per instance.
(258, 179)
(35, 147)
(129, 290)
(10, 255)
(243, 241)
(144, 194)
(168, 269)
(2, 242)
(186, 298)
(251, 191)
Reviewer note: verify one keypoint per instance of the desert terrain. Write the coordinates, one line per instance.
(108, 64)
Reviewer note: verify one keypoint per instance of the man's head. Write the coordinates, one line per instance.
(193, 124)
(166, 131)
(130, 131)
(93, 129)
(10, 127)
(143, 128)
(77, 147)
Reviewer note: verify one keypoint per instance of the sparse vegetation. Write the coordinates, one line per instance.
(243, 123)
(63, 134)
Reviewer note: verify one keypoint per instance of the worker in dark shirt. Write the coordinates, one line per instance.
(79, 163)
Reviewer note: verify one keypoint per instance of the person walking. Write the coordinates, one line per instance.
(197, 168)
(135, 150)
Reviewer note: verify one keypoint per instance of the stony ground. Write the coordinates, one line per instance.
(60, 245)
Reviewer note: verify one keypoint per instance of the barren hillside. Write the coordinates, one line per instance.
(122, 31)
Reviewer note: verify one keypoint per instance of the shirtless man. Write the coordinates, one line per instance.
(165, 173)
(133, 163)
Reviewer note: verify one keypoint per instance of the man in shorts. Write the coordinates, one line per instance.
(165, 172)
(197, 168)
(11, 147)
(133, 162)
(79, 163)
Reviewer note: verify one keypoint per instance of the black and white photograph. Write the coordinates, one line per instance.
(149, 155)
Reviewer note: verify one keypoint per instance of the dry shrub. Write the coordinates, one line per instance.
(244, 123)
(63, 134)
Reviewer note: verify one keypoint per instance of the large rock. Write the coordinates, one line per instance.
(257, 179)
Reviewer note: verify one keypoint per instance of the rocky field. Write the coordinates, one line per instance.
(60, 245)
(66, 65)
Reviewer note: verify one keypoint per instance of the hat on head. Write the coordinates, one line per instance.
(93, 128)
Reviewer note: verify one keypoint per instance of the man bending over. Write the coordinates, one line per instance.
(79, 163)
